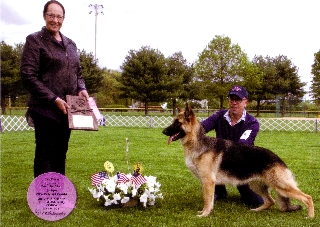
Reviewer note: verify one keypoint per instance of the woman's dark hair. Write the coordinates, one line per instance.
(45, 8)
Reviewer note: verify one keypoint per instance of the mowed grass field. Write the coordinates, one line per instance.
(182, 192)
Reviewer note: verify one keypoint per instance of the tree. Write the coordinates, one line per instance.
(219, 66)
(287, 84)
(144, 76)
(11, 86)
(287, 78)
(268, 74)
(92, 73)
(315, 82)
(110, 94)
(180, 74)
(280, 78)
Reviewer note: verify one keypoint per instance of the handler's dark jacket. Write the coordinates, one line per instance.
(50, 70)
(242, 132)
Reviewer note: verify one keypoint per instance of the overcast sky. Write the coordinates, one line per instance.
(259, 27)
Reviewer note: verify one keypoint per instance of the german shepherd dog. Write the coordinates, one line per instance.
(216, 161)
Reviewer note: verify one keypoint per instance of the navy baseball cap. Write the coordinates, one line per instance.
(239, 91)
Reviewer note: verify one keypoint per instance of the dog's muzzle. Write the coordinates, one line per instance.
(173, 136)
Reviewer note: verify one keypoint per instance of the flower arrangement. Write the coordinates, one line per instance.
(125, 189)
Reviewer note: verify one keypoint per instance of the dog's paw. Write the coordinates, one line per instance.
(291, 208)
(263, 207)
(203, 213)
(200, 212)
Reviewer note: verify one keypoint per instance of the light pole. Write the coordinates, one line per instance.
(96, 10)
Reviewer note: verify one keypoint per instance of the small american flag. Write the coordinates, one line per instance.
(122, 178)
(138, 179)
(97, 178)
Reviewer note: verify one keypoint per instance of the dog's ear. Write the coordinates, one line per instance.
(188, 113)
(179, 110)
(188, 107)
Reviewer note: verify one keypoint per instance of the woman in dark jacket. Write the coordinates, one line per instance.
(50, 70)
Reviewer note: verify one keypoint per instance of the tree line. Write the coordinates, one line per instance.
(148, 76)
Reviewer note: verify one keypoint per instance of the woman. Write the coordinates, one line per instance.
(50, 70)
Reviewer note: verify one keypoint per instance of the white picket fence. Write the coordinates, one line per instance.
(18, 123)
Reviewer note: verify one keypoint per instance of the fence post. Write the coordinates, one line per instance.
(151, 122)
(317, 123)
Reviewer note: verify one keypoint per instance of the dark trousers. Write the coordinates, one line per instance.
(52, 140)
(248, 196)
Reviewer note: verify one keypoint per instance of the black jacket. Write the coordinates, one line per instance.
(49, 70)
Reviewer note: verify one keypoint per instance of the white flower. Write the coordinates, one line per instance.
(123, 187)
(125, 200)
(108, 201)
(104, 181)
(96, 193)
(151, 189)
(129, 183)
(110, 186)
(116, 196)
(151, 180)
(115, 178)
(152, 183)
(152, 199)
(144, 199)
(158, 185)
(113, 200)
(134, 192)
(92, 190)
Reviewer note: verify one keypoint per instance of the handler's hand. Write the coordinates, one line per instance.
(62, 105)
(85, 94)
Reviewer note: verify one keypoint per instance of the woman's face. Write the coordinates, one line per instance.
(54, 18)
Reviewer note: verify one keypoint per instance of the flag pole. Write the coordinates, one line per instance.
(127, 151)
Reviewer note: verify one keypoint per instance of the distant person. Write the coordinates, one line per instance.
(50, 70)
(238, 125)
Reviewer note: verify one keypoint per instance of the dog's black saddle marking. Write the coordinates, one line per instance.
(244, 161)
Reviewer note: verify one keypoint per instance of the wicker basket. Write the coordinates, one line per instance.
(131, 203)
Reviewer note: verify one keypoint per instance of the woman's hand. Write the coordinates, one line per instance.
(62, 105)
(85, 94)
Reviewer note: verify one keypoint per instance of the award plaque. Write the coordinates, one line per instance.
(80, 114)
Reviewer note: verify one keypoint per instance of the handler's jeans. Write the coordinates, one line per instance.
(52, 140)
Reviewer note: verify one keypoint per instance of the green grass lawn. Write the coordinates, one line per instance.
(182, 192)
